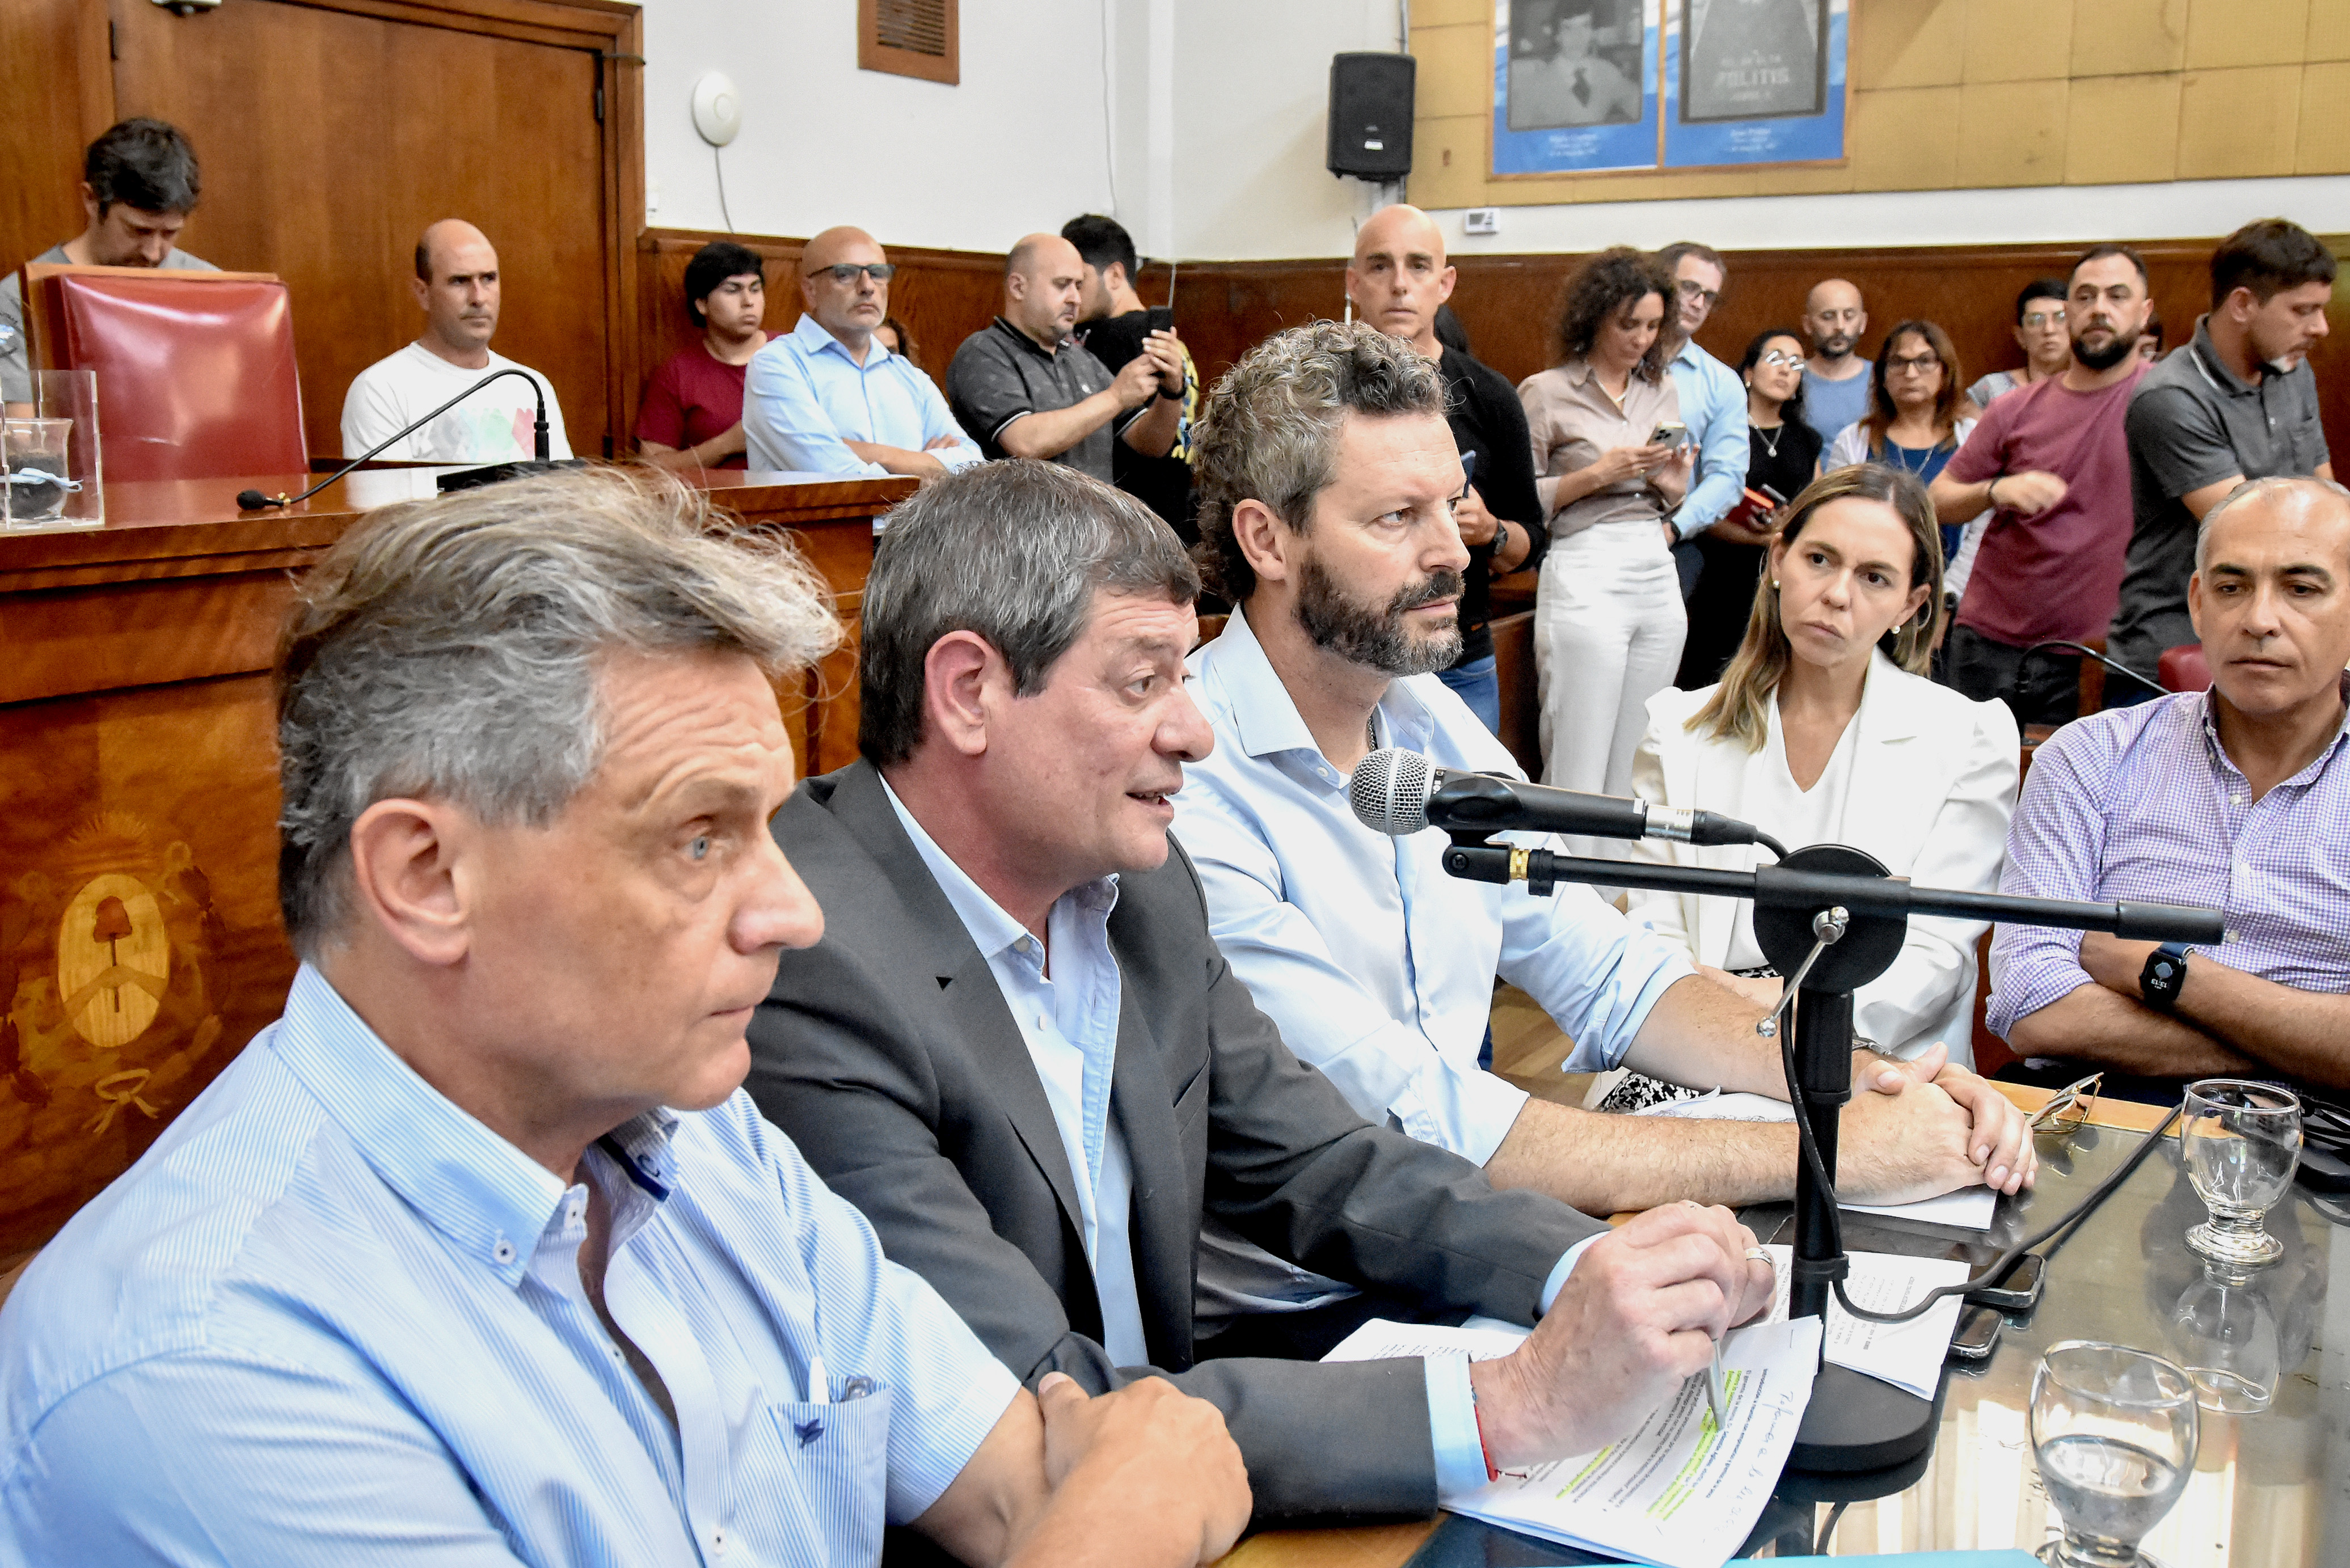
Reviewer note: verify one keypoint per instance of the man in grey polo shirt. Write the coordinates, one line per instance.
(139, 185)
(2238, 402)
(1023, 388)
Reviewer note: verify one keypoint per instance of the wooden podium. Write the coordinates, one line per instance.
(139, 942)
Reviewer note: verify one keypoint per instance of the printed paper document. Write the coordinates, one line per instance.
(1679, 1491)
(1906, 1355)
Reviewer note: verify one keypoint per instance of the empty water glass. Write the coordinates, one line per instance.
(2115, 1431)
(2242, 1143)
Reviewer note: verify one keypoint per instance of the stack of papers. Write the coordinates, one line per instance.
(1679, 1491)
(1969, 1209)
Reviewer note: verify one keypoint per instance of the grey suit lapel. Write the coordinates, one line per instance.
(967, 988)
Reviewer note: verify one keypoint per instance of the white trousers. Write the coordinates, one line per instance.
(1608, 626)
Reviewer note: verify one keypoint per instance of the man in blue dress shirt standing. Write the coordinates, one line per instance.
(479, 1255)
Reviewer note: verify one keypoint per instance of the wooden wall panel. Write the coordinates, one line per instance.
(1509, 304)
(57, 96)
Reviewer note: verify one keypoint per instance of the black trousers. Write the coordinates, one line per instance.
(2045, 689)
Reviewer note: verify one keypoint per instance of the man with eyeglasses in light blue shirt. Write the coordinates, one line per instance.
(824, 398)
(1713, 405)
(479, 1255)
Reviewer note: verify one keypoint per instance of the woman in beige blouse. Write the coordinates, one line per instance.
(1608, 621)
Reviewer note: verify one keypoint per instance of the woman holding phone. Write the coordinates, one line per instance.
(1607, 607)
(1783, 456)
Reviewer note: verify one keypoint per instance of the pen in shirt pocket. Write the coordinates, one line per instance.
(819, 1385)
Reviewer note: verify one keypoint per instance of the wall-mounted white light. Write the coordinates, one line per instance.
(717, 107)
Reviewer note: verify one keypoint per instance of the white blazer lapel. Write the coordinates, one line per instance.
(1885, 804)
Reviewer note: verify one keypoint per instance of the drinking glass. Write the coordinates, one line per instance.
(2242, 1141)
(2114, 1431)
(2227, 1335)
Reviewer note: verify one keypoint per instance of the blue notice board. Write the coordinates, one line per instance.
(1754, 81)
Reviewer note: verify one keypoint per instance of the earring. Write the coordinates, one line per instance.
(1775, 585)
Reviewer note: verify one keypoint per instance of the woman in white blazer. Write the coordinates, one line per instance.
(1823, 730)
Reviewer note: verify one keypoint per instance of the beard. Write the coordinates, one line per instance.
(2118, 349)
(1377, 636)
(1835, 346)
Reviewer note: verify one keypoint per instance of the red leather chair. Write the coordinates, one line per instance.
(196, 376)
(2184, 668)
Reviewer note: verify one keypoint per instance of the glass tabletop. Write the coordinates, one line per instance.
(2270, 1490)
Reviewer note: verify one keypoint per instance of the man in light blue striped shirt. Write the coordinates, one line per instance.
(479, 1254)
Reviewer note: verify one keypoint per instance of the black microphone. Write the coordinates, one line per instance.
(1398, 792)
(254, 500)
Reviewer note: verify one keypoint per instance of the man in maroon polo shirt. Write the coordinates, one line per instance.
(2051, 461)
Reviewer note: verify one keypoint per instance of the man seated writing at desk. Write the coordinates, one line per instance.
(1017, 1050)
(2237, 798)
(1327, 479)
(479, 1255)
(139, 181)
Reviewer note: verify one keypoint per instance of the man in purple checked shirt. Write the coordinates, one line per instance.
(2237, 799)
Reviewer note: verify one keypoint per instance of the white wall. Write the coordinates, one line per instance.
(1216, 116)
(917, 163)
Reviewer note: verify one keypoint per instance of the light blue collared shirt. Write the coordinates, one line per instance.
(1378, 966)
(804, 396)
(1070, 1020)
(330, 1318)
(1713, 406)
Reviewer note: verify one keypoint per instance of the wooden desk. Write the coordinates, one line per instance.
(138, 799)
(1390, 1545)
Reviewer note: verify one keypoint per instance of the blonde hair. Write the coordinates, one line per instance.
(1740, 706)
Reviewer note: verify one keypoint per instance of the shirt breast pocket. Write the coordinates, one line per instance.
(839, 1456)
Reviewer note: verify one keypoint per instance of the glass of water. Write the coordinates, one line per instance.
(2242, 1142)
(2114, 1431)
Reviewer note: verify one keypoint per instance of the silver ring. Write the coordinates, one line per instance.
(1758, 1255)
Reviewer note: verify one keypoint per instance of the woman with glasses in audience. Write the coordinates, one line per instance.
(1783, 456)
(1825, 730)
(1913, 421)
(1614, 461)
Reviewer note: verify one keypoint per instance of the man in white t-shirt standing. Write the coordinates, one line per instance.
(457, 287)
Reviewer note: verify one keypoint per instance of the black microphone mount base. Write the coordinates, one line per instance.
(499, 473)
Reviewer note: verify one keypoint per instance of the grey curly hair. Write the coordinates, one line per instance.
(453, 649)
(1270, 432)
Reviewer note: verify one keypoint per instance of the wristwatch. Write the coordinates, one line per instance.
(1501, 536)
(2165, 973)
(1177, 395)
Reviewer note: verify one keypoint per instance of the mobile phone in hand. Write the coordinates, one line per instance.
(1670, 433)
(1162, 317)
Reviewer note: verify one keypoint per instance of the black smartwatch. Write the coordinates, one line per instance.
(2165, 973)
(1177, 395)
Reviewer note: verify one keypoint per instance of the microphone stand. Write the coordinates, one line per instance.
(1831, 919)
(256, 500)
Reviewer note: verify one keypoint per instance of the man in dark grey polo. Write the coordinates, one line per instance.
(1022, 389)
(2238, 402)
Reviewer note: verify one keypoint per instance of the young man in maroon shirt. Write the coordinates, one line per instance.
(693, 412)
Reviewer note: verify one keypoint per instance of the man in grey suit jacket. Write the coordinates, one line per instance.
(1018, 1051)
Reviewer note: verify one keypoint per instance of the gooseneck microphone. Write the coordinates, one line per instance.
(254, 500)
(1398, 792)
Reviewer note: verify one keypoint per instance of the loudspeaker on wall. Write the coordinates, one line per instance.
(1370, 115)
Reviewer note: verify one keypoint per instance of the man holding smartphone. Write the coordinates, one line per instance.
(1113, 324)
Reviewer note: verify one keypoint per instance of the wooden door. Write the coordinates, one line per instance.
(330, 136)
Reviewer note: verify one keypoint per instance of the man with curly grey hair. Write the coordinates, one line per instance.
(479, 1254)
(1328, 477)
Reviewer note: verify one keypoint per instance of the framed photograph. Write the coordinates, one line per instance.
(1575, 85)
(1754, 81)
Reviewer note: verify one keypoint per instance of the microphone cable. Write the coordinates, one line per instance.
(1993, 1270)
(254, 500)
